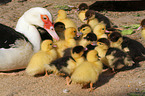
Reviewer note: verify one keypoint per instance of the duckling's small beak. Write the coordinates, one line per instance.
(77, 10)
(86, 19)
(85, 49)
(54, 46)
(79, 34)
(94, 43)
(107, 31)
(139, 28)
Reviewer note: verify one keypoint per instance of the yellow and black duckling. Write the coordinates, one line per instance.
(69, 42)
(84, 29)
(46, 55)
(62, 17)
(59, 28)
(88, 71)
(83, 7)
(67, 65)
(114, 57)
(134, 49)
(90, 37)
(97, 17)
(100, 30)
(90, 18)
(116, 39)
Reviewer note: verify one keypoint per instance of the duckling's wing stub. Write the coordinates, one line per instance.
(103, 18)
(136, 49)
(60, 62)
(9, 36)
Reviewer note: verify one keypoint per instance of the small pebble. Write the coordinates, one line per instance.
(136, 89)
(65, 90)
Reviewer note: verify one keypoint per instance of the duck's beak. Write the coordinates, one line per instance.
(51, 31)
(49, 27)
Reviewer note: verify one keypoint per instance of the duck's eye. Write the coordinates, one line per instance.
(103, 29)
(84, 29)
(45, 18)
(74, 31)
(50, 44)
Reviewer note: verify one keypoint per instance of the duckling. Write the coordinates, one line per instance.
(134, 49)
(114, 58)
(69, 41)
(100, 30)
(84, 29)
(90, 18)
(42, 57)
(83, 7)
(67, 64)
(88, 39)
(62, 17)
(116, 39)
(88, 71)
(91, 14)
(59, 28)
(143, 28)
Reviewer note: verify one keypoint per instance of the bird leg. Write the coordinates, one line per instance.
(68, 80)
(46, 73)
(91, 87)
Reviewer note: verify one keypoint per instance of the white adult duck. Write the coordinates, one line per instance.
(17, 46)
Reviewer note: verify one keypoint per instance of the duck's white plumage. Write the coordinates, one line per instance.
(20, 51)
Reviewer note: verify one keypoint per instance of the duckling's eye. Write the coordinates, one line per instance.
(74, 31)
(50, 44)
(100, 43)
(84, 29)
(103, 29)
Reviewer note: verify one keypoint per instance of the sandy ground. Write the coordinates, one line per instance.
(19, 84)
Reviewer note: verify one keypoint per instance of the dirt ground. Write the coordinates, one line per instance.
(19, 84)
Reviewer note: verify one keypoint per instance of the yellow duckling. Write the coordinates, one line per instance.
(83, 7)
(85, 29)
(62, 17)
(99, 30)
(39, 59)
(88, 71)
(69, 41)
(90, 18)
(102, 47)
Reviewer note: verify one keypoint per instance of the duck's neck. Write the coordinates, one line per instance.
(30, 32)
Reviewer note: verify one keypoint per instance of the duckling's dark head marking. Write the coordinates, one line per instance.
(143, 23)
(83, 6)
(114, 36)
(82, 26)
(59, 26)
(105, 41)
(91, 37)
(77, 49)
(89, 13)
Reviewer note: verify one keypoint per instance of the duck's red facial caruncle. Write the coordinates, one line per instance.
(49, 27)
